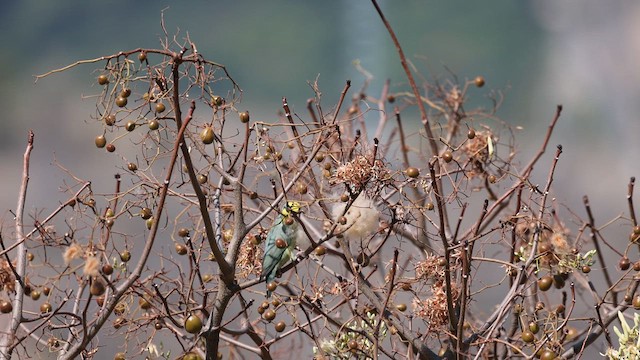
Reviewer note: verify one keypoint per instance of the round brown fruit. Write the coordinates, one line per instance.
(534, 327)
(527, 336)
(412, 172)
(110, 119)
(142, 56)
(107, 269)
(207, 135)
(280, 243)
(111, 148)
(183, 232)
(45, 308)
(101, 141)
(191, 356)
(193, 324)
(624, 263)
(160, 107)
(548, 355)
(35, 295)
(280, 326)
(302, 188)
(154, 125)
(636, 302)
(46, 291)
(353, 345)
(181, 249)
(132, 166)
(272, 286)
(145, 213)
(97, 287)
(447, 156)
(559, 281)
(479, 81)
(130, 126)
(471, 134)
(217, 100)
(103, 79)
(121, 101)
(125, 256)
(269, 315)
(545, 282)
(5, 307)
(321, 250)
(401, 307)
(202, 179)
(244, 117)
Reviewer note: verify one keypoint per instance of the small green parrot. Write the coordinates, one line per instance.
(281, 241)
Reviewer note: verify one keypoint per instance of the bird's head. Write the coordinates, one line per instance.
(291, 208)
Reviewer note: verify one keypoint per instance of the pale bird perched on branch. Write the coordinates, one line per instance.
(281, 241)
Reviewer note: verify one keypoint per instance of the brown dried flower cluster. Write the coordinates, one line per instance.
(434, 308)
(7, 280)
(429, 268)
(360, 171)
(477, 150)
(554, 250)
(249, 260)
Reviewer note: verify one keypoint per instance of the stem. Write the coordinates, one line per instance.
(16, 317)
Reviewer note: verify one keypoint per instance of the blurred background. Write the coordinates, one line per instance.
(582, 54)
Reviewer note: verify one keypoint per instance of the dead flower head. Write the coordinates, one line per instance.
(360, 171)
(434, 308)
(7, 280)
(74, 251)
(91, 266)
(249, 259)
(478, 150)
(433, 266)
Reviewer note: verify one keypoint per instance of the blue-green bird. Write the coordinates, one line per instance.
(281, 241)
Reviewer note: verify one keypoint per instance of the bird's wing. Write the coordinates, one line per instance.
(273, 254)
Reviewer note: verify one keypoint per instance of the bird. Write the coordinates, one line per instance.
(281, 241)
